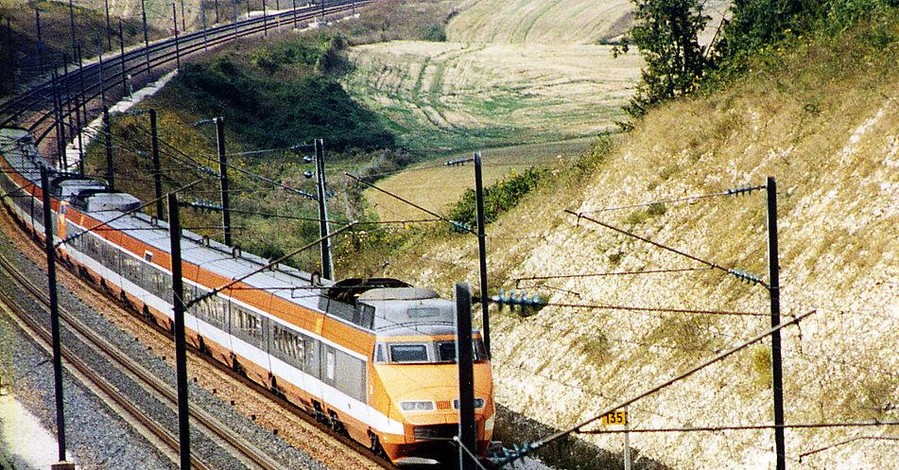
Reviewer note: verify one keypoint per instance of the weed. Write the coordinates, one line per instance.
(636, 217)
(615, 258)
(761, 365)
(595, 347)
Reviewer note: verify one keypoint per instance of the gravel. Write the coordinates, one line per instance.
(94, 434)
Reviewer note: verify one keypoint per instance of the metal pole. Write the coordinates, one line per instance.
(108, 26)
(54, 313)
(467, 431)
(183, 17)
(180, 342)
(482, 249)
(60, 132)
(72, 23)
(223, 173)
(327, 263)
(107, 132)
(78, 135)
(205, 35)
(774, 289)
(157, 172)
(216, 11)
(177, 48)
(102, 81)
(40, 41)
(294, 14)
(143, 8)
(66, 105)
(264, 19)
(627, 441)
(122, 57)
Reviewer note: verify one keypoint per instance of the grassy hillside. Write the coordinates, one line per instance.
(821, 117)
(447, 96)
(540, 21)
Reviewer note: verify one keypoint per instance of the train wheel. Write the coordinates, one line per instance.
(375, 446)
(335, 423)
(203, 348)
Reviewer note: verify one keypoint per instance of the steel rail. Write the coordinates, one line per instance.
(247, 450)
(36, 102)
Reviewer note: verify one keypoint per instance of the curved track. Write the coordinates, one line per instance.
(239, 447)
(67, 94)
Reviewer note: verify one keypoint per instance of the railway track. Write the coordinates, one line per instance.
(244, 450)
(75, 91)
(158, 338)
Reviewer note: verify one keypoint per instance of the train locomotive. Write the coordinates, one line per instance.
(373, 358)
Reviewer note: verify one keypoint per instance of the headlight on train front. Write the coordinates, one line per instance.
(417, 405)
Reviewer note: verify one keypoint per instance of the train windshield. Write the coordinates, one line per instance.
(418, 353)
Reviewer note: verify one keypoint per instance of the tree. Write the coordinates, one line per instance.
(755, 23)
(666, 33)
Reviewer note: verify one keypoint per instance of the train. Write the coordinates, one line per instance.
(375, 359)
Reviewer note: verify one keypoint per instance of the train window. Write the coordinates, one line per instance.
(92, 246)
(218, 310)
(131, 268)
(380, 352)
(289, 343)
(71, 234)
(409, 353)
(446, 351)
(331, 365)
(247, 322)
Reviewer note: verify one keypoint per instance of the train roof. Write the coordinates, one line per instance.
(385, 306)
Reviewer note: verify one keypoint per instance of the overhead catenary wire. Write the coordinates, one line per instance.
(746, 427)
(631, 308)
(611, 273)
(283, 186)
(846, 441)
(122, 215)
(267, 266)
(729, 192)
(577, 428)
(429, 212)
(735, 272)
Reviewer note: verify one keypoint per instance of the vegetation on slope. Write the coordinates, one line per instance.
(820, 114)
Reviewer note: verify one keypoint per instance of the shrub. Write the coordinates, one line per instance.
(498, 198)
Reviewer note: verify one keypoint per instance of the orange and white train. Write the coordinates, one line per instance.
(373, 358)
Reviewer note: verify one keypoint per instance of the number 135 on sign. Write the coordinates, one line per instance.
(615, 418)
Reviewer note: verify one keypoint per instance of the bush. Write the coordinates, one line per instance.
(436, 32)
(498, 198)
(278, 113)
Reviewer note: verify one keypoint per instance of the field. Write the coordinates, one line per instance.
(435, 186)
(540, 21)
(509, 74)
(443, 97)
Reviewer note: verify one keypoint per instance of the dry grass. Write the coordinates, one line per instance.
(436, 186)
(453, 96)
(540, 21)
(823, 122)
